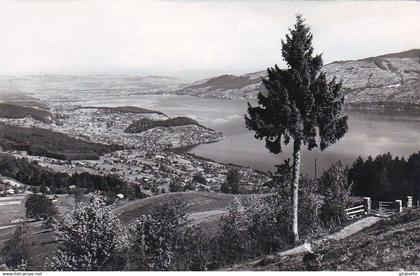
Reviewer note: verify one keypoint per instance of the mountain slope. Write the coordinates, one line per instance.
(391, 80)
(392, 244)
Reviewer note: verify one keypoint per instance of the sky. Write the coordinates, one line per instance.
(191, 38)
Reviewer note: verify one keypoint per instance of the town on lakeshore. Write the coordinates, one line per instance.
(208, 136)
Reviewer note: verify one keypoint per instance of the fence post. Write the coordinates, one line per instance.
(398, 206)
(367, 204)
(409, 202)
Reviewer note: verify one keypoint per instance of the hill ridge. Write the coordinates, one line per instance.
(385, 81)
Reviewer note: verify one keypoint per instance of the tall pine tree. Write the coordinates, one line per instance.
(299, 104)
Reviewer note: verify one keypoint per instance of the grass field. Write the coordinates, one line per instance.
(11, 207)
(200, 205)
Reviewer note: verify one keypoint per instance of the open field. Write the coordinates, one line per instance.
(11, 208)
(200, 205)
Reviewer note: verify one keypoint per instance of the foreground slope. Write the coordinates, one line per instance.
(392, 244)
(204, 208)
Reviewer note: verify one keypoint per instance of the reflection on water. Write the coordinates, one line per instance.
(370, 133)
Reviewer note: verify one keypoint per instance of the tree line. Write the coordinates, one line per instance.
(31, 173)
(386, 177)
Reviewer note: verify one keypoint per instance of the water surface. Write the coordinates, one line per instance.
(370, 133)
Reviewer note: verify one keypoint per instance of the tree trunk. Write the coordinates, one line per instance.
(295, 189)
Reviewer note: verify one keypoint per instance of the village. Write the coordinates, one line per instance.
(155, 171)
(149, 158)
(102, 126)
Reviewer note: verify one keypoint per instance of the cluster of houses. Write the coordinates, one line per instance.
(155, 171)
(147, 163)
(9, 187)
(106, 127)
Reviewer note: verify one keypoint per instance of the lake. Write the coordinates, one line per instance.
(370, 133)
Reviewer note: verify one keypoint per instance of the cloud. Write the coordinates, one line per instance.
(181, 37)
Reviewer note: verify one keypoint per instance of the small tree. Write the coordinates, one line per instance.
(138, 192)
(90, 239)
(78, 194)
(199, 179)
(155, 238)
(175, 186)
(16, 250)
(231, 185)
(43, 189)
(299, 104)
(40, 207)
(335, 188)
(251, 228)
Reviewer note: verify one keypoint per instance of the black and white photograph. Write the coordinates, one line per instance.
(209, 135)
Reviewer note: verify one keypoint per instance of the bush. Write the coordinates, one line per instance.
(199, 179)
(310, 201)
(231, 184)
(16, 251)
(156, 238)
(175, 187)
(39, 207)
(91, 239)
(310, 204)
(194, 251)
(335, 188)
(250, 229)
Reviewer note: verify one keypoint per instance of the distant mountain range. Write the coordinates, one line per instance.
(387, 81)
(76, 87)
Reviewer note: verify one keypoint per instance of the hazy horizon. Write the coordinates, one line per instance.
(191, 39)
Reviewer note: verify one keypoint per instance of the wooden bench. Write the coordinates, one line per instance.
(354, 212)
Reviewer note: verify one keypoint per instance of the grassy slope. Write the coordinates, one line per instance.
(392, 244)
(44, 142)
(43, 244)
(197, 202)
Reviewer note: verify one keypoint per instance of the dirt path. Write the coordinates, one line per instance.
(341, 234)
(353, 228)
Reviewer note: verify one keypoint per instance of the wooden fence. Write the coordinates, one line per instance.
(382, 208)
(378, 208)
